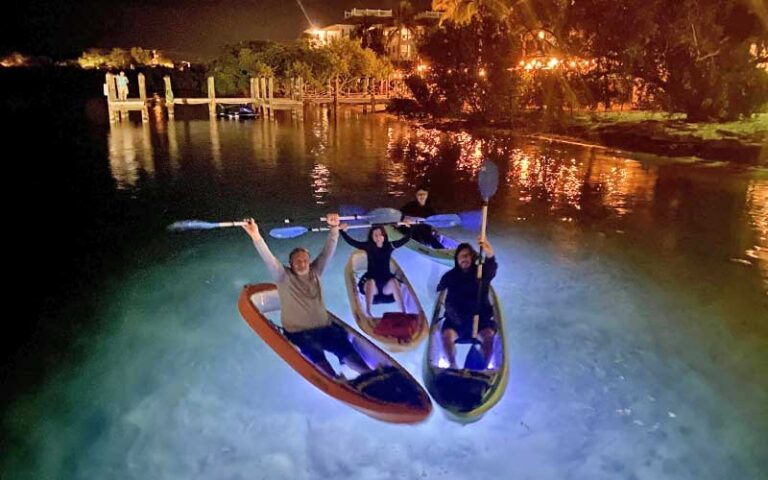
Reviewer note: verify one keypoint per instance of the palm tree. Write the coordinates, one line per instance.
(461, 12)
(403, 18)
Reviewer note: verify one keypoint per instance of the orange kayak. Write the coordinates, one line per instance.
(387, 393)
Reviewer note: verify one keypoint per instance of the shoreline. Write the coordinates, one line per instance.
(667, 137)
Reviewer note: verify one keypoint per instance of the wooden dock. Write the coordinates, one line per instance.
(261, 98)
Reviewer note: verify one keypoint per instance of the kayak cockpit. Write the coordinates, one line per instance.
(386, 392)
(465, 393)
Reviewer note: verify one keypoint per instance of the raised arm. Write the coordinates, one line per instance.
(276, 269)
(318, 265)
(490, 266)
(407, 232)
(351, 241)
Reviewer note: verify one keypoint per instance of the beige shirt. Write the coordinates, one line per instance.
(301, 296)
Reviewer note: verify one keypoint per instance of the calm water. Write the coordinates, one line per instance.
(635, 291)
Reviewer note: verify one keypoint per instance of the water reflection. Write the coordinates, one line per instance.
(173, 145)
(567, 184)
(130, 153)
(264, 141)
(396, 178)
(319, 133)
(471, 155)
(427, 143)
(757, 208)
(215, 143)
(321, 183)
(587, 186)
(337, 156)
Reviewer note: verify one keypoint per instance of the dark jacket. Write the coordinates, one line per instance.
(462, 288)
(378, 258)
(413, 209)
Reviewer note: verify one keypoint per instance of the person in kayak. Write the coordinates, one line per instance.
(302, 310)
(378, 284)
(418, 209)
(461, 302)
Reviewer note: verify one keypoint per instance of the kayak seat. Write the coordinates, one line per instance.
(382, 298)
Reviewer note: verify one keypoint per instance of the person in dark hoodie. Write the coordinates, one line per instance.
(416, 209)
(461, 302)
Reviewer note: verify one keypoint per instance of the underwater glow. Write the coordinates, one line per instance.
(634, 341)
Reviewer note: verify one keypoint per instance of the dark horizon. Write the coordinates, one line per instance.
(194, 32)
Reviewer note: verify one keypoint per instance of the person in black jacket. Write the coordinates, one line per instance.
(461, 302)
(378, 283)
(420, 208)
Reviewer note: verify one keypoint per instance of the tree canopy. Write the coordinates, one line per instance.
(705, 58)
(344, 59)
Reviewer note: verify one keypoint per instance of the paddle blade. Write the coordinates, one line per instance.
(383, 215)
(446, 220)
(287, 232)
(471, 220)
(191, 225)
(350, 210)
(488, 179)
(346, 210)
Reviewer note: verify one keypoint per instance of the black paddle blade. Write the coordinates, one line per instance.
(488, 179)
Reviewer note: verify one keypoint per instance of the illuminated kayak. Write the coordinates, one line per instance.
(467, 393)
(388, 393)
(439, 255)
(397, 332)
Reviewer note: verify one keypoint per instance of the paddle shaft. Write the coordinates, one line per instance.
(476, 317)
(240, 224)
(229, 224)
(382, 215)
(325, 229)
(378, 215)
(348, 217)
(209, 225)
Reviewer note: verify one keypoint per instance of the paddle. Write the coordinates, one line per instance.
(381, 215)
(488, 182)
(297, 231)
(444, 220)
(469, 219)
(378, 215)
(185, 225)
(345, 209)
(351, 210)
(392, 215)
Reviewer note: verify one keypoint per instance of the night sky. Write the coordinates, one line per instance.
(190, 29)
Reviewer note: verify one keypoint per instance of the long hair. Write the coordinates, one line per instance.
(383, 232)
(464, 246)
